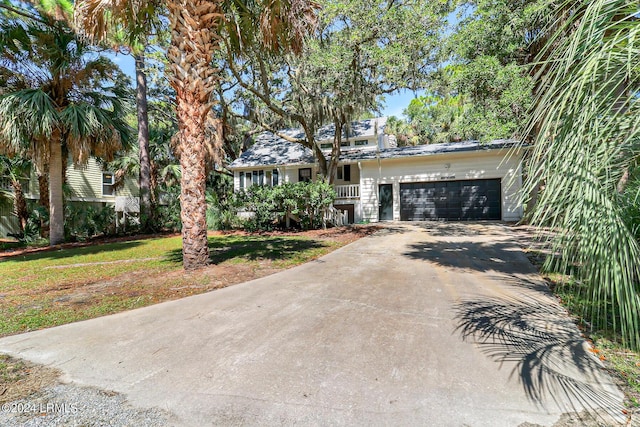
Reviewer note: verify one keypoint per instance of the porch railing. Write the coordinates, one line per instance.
(333, 217)
(348, 191)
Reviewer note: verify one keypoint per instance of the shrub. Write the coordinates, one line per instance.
(82, 222)
(302, 201)
(38, 218)
(221, 214)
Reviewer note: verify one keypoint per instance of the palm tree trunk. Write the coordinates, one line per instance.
(195, 248)
(43, 190)
(56, 203)
(20, 205)
(143, 140)
(193, 41)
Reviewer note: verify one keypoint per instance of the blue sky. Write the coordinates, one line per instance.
(393, 105)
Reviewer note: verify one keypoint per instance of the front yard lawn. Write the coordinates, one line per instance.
(49, 288)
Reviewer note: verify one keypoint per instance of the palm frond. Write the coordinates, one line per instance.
(98, 19)
(588, 138)
(26, 115)
(92, 130)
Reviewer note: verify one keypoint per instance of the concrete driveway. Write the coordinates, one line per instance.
(420, 324)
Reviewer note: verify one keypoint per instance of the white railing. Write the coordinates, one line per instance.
(348, 191)
(334, 217)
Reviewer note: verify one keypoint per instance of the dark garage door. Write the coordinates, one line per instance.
(451, 200)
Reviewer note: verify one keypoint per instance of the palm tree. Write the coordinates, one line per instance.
(587, 121)
(198, 29)
(63, 102)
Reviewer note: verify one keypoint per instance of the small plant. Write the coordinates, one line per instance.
(167, 214)
(83, 222)
(222, 214)
(37, 219)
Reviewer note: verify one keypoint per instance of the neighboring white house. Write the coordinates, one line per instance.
(378, 181)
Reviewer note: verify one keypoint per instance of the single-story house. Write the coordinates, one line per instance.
(378, 181)
(88, 184)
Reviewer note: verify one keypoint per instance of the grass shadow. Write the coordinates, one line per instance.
(549, 357)
(253, 248)
(70, 252)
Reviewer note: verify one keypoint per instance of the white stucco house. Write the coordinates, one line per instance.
(378, 181)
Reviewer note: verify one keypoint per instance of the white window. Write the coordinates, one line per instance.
(258, 177)
(108, 180)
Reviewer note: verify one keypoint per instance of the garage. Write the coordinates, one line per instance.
(478, 199)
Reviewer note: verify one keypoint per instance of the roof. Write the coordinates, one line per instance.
(426, 150)
(272, 150)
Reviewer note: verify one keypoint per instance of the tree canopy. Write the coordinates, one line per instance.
(362, 51)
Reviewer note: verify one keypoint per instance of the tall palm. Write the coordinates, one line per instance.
(198, 29)
(63, 102)
(588, 140)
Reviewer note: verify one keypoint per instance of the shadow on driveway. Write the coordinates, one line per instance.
(500, 256)
(551, 360)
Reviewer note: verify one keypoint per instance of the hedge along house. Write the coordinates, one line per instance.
(89, 185)
(377, 181)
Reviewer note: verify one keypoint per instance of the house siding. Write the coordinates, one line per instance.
(85, 185)
(491, 164)
(8, 221)
(85, 182)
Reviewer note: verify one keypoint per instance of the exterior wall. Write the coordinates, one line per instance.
(440, 167)
(350, 144)
(8, 221)
(355, 175)
(355, 180)
(85, 184)
(357, 208)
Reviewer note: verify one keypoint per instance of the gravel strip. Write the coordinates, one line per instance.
(70, 405)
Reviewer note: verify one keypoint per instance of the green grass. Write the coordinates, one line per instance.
(11, 370)
(626, 365)
(63, 266)
(44, 289)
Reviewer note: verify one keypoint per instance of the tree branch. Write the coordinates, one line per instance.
(263, 97)
(24, 14)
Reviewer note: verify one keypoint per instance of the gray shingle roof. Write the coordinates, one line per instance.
(425, 150)
(271, 150)
(359, 129)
